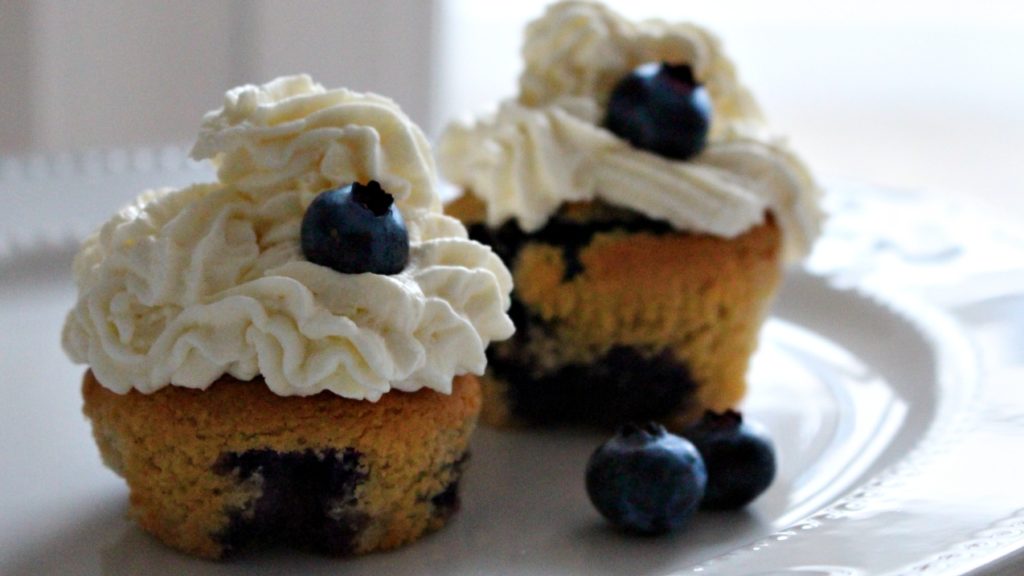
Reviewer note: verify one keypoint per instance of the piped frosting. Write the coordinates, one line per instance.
(183, 286)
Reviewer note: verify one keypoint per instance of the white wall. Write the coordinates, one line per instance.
(909, 93)
(104, 73)
(15, 76)
(924, 94)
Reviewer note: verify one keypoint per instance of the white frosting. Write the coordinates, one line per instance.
(186, 285)
(547, 147)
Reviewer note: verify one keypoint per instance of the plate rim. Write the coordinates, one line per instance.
(959, 399)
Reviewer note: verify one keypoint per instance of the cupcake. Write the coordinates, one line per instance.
(288, 354)
(646, 213)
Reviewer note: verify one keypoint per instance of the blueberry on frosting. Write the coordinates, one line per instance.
(661, 108)
(356, 229)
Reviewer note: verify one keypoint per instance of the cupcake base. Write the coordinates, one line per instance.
(235, 467)
(621, 318)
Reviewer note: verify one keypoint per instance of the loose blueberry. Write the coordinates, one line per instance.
(661, 108)
(355, 229)
(739, 455)
(646, 480)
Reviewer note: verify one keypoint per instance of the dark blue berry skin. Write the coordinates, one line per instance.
(739, 456)
(356, 229)
(307, 499)
(662, 109)
(646, 480)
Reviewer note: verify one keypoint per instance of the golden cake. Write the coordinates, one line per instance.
(320, 472)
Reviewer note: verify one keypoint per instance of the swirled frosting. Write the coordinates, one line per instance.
(186, 285)
(547, 146)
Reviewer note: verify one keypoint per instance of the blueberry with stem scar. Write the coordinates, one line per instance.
(662, 109)
(739, 455)
(355, 229)
(646, 480)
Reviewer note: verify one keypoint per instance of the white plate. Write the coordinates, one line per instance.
(889, 459)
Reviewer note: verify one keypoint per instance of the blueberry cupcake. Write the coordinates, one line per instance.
(645, 211)
(288, 354)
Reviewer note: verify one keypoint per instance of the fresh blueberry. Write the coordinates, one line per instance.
(355, 229)
(661, 108)
(739, 455)
(646, 480)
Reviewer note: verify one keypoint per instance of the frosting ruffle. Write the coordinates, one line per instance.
(186, 285)
(547, 146)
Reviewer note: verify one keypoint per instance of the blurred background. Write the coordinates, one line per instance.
(911, 94)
